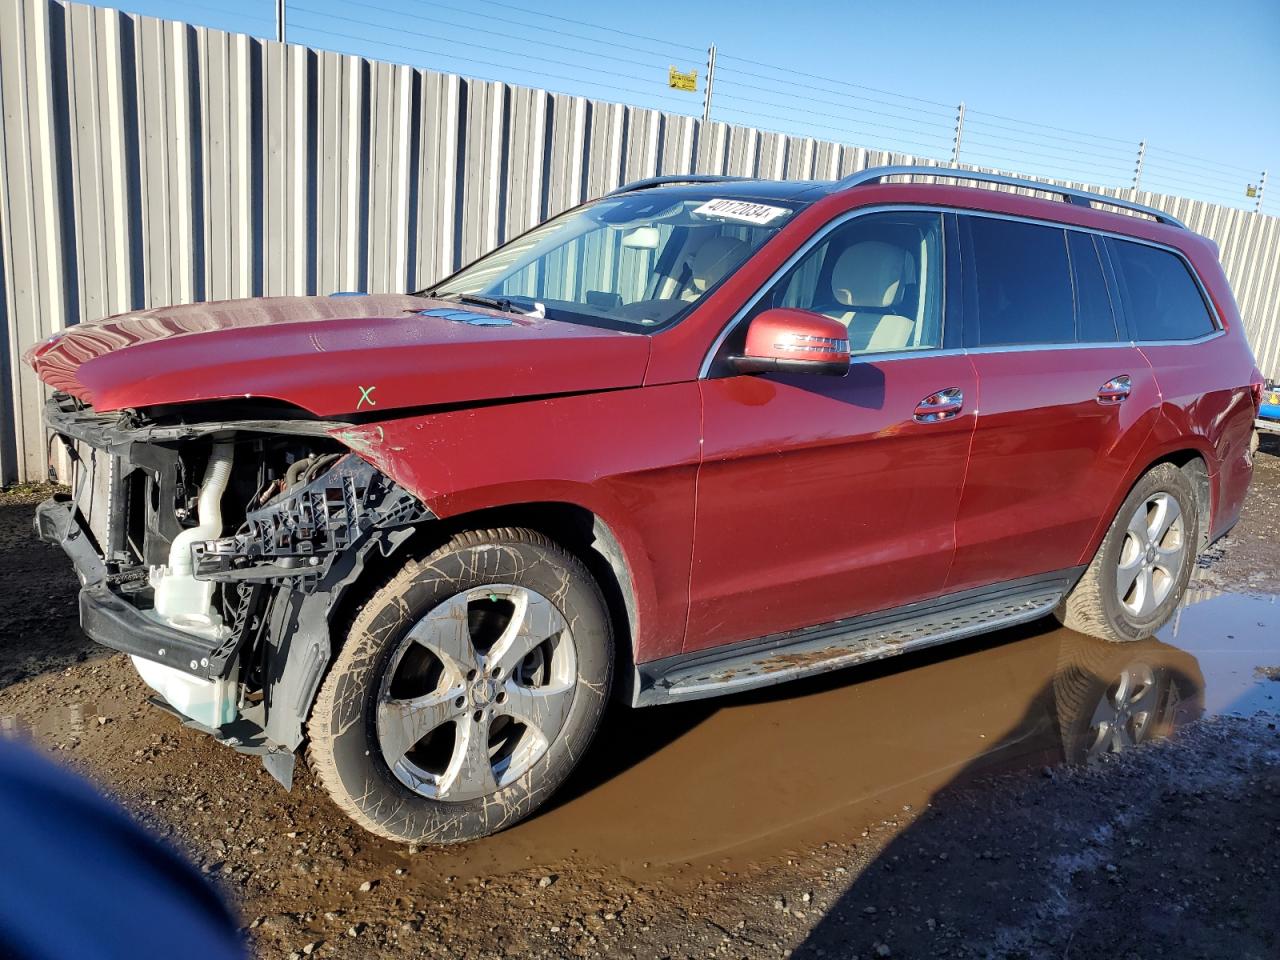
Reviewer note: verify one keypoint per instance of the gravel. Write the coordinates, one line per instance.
(1172, 849)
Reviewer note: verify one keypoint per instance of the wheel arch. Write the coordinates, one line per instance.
(1192, 458)
(581, 531)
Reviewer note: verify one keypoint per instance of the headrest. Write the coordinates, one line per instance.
(870, 275)
(713, 260)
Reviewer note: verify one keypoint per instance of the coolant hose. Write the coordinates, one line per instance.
(209, 509)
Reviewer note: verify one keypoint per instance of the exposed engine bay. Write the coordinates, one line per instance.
(213, 553)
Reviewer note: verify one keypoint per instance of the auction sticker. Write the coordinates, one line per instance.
(742, 210)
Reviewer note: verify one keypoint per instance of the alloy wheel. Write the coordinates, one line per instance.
(476, 692)
(1151, 556)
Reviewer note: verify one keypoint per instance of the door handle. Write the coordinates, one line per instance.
(943, 405)
(1115, 390)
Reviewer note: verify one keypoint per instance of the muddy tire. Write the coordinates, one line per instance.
(466, 691)
(1142, 566)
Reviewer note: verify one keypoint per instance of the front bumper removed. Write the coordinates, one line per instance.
(107, 616)
(284, 571)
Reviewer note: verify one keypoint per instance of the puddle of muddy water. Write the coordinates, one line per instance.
(1236, 639)
(735, 780)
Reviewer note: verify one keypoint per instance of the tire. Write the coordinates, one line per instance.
(1096, 606)
(440, 651)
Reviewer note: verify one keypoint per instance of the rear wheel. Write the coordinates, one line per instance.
(1143, 564)
(466, 691)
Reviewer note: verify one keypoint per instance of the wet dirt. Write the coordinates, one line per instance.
(928, 803)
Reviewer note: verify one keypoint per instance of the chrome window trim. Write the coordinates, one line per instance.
(818, 237)
(1094, 345)
(1182, 343)
(1204, 292)
(889, 356)
(795, 257)
(1028, 347)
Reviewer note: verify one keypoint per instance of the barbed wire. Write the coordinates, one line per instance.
(1201, 160)
(605, 61)
(404, 31)
(839, 129)
(1048, 126)
(596, 26)
(983, 125)
(488, 17)
(950, 107)
(444, 54)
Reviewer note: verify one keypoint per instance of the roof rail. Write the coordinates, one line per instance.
(648, 182)
(1071, 195)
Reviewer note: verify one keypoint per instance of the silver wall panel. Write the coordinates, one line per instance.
(145, 162)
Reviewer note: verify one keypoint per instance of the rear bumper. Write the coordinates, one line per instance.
(106, 615)
(1269, 426)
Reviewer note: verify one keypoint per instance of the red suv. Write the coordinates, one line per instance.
(697, 436)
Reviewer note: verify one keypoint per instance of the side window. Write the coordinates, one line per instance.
(1161, 299)
(1095, 318)
(880, 275)
(1023, 280)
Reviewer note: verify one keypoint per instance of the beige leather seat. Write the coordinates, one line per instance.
(870, 279)
(709, 263)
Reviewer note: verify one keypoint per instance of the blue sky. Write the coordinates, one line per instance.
(1049, 88)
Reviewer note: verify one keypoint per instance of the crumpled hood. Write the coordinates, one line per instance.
(333, 355)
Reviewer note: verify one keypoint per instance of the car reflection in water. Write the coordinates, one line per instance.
(757, 775)
(1109, 860)
(1109, 697)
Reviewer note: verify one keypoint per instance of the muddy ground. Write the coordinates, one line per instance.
(934, 806)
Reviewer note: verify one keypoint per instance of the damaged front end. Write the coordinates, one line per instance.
(216, 552)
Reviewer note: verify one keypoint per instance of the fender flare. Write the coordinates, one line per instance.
(1167, 450)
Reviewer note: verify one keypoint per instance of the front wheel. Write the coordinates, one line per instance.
(1143, 564)
(466, 691)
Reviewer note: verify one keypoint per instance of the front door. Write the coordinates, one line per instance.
(820, 498)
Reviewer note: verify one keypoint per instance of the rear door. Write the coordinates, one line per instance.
(1063, 403)
(822, 497)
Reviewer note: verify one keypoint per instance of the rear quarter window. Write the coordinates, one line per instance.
(1161, 298)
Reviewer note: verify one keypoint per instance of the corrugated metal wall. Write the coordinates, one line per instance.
(145, 162)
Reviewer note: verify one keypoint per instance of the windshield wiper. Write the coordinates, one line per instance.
(493, 303)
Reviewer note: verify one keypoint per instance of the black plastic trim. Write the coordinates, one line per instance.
(58, 522)
(111, 620)
(828, 368)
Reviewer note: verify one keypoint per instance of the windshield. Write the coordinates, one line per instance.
(640, 260)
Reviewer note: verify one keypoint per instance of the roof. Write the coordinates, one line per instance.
(732, 187)
(810, 190)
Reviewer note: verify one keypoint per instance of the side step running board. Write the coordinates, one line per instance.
(802, 653)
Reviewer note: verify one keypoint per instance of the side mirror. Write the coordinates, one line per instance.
(794, 341)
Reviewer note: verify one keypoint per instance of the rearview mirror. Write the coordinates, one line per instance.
(794, 341)
(642, 238)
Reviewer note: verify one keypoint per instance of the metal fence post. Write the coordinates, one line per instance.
(1137, 170)
(955, 144)
(1262, 186)
(280, 20)
(711, 79)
